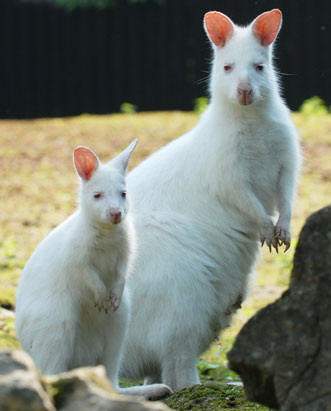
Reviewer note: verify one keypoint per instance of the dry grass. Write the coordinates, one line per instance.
(38, 190)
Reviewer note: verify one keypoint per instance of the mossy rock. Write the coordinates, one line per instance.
(212, 396)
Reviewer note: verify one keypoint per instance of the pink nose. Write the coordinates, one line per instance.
(245, 95)
(116, 217)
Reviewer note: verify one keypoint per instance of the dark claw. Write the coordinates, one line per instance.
(262, 242)
(269, 246)
(287, 246)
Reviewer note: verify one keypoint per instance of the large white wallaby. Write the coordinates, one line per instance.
(72, 304)
(205, 201)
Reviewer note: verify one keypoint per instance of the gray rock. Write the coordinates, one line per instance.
(283, 354)
(87, 389)
(20, 386)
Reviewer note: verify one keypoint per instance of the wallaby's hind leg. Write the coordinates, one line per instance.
(180, 371)
(52, 349)
(113, 353)
(116, 332)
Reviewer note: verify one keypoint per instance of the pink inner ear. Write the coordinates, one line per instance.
(218, 27)
(267, 26)
(86, 162)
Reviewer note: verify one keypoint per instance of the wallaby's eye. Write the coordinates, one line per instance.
(123, 194)
(228, 68)
(97, 195)
(259, 67)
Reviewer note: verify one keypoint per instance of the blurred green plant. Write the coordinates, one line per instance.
(200, 105)
(205, 366)
(128, 108)
(8, 254)
(7, 330)
(314, 106)
(98, 4)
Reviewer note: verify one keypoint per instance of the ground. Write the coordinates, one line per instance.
(38, 190)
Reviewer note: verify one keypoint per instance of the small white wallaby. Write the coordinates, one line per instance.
(72, 304)
(205, 201)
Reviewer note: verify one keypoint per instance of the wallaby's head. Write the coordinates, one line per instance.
(242, 70)
(103, 191)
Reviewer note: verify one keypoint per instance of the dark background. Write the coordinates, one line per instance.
(154, 55)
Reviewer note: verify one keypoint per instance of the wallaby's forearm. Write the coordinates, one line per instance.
(285, 193)
(93, 282)
(249, 205)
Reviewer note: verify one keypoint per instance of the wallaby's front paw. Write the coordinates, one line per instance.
(103, 301)
(283, 235)
(111, 302)
(114, 301)
(103, 306)
(269, 237)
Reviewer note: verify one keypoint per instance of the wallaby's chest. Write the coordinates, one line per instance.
(106, 256)
(255, 154)
(253, 149)
(252, 156)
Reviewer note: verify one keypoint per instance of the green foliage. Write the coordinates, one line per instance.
(99, 4)
(8, 252)
(10, 266)
(73, 4)
(314, 106)
(128, 108)
(205, 366)
(200, 105)
(7, 330)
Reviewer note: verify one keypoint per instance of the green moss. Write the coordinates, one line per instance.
(59, 390)
(215, 397)
(52, 389)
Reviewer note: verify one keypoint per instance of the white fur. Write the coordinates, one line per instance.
(72, 307)
(202, 203)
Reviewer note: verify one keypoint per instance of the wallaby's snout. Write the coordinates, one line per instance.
(245, 93)
(115, 215)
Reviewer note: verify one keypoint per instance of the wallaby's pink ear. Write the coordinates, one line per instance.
(267, 25)
(219, 27)
(86, 162)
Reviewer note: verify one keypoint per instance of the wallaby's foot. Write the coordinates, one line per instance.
(283, 235)
(149, 392)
